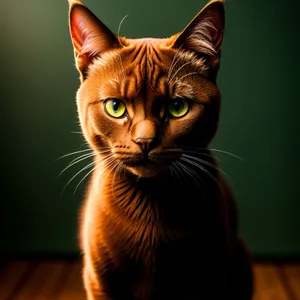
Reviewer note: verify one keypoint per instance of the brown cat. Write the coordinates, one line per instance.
(159, 222)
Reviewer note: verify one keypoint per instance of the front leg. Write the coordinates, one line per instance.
(92, 284)
(104, 281)
(241, 276)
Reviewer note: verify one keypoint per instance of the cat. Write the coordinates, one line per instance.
(159, 221)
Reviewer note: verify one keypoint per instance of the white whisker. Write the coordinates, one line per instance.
(174, 62)
(179, 171)
(80, 171)
(206, 163)
(119, 167)
(100, 173)
(228, 153)
(199, 152)
(121, 23)
(205, 171)
(189, 74)
(104, 162)
(72, 153)
(87, 155)
(194, 175)
(78, 160)
(120, 58)
(178, 70)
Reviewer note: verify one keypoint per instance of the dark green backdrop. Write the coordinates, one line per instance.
(259, 119)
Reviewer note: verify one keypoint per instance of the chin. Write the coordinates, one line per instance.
(146, 171)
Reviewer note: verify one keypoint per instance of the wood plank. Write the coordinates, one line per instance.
(12, 277)
(73, 290)
(268, 285)
(292, 275)
(45, 282)
(63, 281)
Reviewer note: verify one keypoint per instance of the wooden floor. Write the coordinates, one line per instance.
(61, 280)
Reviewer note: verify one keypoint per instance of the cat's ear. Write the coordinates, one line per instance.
(204, 34)
(89, 35)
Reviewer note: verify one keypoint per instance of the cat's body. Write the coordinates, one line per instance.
(158, 241)
(159, 222)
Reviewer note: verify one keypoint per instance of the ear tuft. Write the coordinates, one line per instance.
(90, 37)
(204, 34)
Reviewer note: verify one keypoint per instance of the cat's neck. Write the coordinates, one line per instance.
(165, 197)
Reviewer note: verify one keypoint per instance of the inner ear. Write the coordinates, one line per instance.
(204, 34)
(89, 35)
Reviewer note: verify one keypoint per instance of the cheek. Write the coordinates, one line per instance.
(183, 126)
(110, 129)
(189, 130)
(100, 123)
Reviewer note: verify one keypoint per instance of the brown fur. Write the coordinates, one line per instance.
(159, 222)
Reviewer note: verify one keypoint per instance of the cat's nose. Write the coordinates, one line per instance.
(145, 134)
(146, 144)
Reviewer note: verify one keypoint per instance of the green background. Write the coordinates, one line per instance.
(259, 119)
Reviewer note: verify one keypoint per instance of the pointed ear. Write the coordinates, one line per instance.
(204, 34)
(89, 35)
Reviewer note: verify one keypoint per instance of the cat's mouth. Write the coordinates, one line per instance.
(141, 162)
(147, 165)
(145, 168)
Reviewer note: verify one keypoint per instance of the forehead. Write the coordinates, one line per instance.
(146, 66)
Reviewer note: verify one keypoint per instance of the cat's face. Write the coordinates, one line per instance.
(147, 100)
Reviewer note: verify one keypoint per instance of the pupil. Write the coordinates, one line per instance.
(115, 105)
(177, 105)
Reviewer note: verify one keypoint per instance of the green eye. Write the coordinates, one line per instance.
(178, 108)
(115, 108)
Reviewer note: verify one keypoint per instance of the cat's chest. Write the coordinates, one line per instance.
(150, 237)
(139, 219)
(156, 213)
(154, 230)
(151, 214)
(161, 277)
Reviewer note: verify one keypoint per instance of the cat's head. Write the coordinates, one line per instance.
(148, 100)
